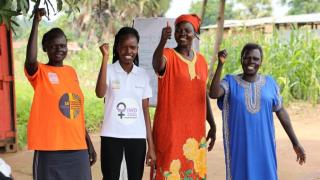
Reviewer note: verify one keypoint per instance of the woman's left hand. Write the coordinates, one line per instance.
(151, 158)
(92, 155)
(301, 155)
(212, 136)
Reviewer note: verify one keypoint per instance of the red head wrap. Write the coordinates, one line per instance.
(190, 18)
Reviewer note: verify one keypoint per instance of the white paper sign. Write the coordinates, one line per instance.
(150, 30)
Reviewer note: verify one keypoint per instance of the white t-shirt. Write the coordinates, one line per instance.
(123, 114)
(5, 169)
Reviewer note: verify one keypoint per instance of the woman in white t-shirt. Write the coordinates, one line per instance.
(126, 125)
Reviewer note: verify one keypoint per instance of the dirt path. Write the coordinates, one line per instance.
(305, 119)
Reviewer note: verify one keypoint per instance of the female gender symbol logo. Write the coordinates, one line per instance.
(121, 107)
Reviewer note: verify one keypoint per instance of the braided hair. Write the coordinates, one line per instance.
(125, 31)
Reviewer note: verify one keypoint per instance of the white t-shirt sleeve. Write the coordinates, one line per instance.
(147, 93)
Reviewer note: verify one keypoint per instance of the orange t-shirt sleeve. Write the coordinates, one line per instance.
(33, 79)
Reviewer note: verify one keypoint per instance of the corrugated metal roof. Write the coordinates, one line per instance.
(303, 18)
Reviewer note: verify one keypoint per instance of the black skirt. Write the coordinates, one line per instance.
(61, 165)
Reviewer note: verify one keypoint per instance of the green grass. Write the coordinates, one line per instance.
(24, 94)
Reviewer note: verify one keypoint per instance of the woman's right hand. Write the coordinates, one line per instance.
(301, 155)
(166, 33)
(104, 48)
(151, 157)
(39, 13)
(222, 56)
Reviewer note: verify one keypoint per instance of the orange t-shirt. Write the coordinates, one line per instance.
(179, 125)
(57, 116)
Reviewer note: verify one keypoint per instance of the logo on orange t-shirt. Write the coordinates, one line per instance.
(70, 105)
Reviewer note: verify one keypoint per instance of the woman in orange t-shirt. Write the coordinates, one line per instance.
(183, 105)
(56, 127)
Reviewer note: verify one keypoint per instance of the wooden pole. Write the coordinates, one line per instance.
(203, 10)
(219, 37)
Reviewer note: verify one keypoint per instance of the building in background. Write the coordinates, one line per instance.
(268, 24)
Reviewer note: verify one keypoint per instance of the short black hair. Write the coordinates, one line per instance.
(251, 46)
(125, 31)
(50, 35)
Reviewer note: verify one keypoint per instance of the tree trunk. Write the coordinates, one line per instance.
(203, 10)
(219, 36)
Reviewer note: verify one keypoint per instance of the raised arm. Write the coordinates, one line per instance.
(31, 63)
(101, 86)
(158, 62)
(216, 90)
(284, 118)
